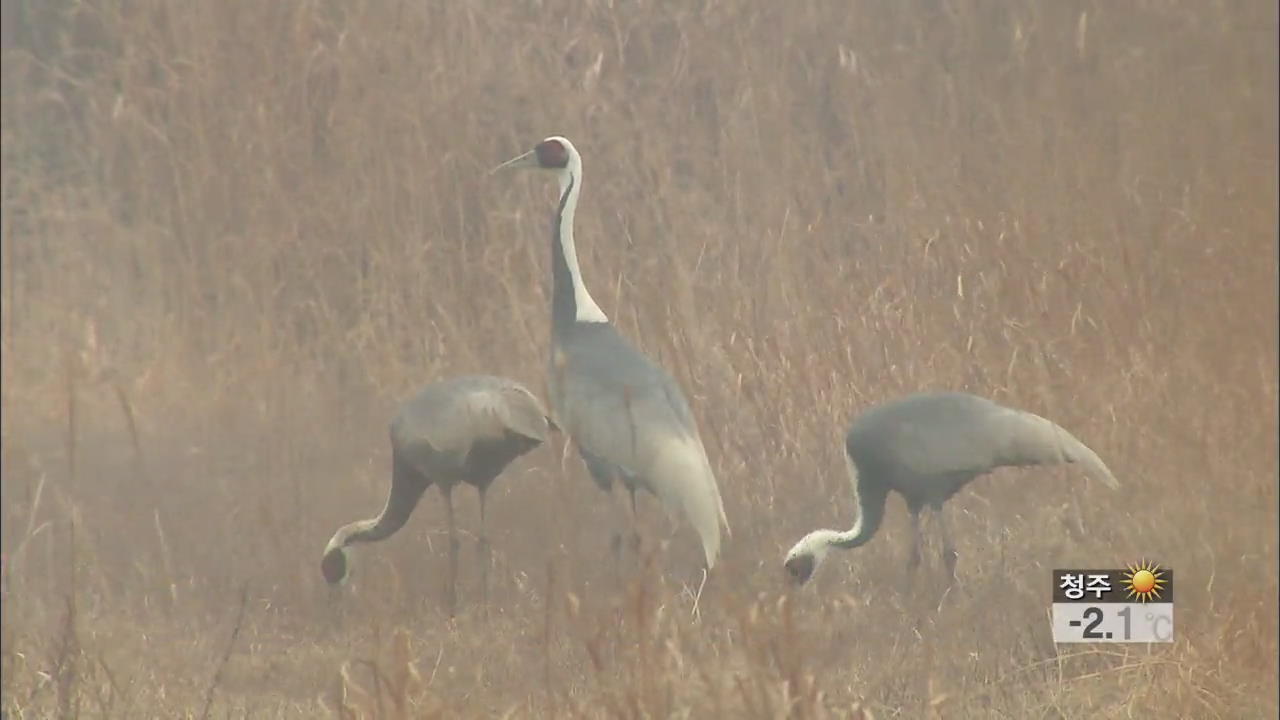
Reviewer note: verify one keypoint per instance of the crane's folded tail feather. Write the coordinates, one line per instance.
(1049, 442)
(525, 416)
(724, 519)
(681, 477)
(1080, 453)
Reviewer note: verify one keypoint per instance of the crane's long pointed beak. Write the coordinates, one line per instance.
(528, 159)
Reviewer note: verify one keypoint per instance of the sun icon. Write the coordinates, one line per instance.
(1144, 581)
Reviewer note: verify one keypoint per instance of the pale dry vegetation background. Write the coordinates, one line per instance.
(235, 234)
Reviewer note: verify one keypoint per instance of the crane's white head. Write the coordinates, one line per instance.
(806, 555)
(555, 153)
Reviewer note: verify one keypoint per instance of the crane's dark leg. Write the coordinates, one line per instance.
(635, 522)
(452, 592)
(615, 535)
(949, 554)
(602, 474)
(615, 546)
(482, 548)
(913, 559)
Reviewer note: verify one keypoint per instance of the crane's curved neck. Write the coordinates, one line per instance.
(570, 301)
(861, 532)
(406, 490)
(871, 499)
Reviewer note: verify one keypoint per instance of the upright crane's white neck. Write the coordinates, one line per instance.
(570, 179)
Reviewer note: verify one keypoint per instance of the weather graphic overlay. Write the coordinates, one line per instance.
(1144, 581)
(1128, 605)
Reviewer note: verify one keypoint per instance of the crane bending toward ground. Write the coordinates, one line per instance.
(625, 413)
(926, 447)
(465, 429)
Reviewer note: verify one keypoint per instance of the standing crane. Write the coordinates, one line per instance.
(926, 447)
(465, 429)
(625, 413)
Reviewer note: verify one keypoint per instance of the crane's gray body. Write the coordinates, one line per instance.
(616, 401)
(465, 429)
(632, 424)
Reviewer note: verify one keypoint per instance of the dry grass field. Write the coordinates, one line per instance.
(236, 234)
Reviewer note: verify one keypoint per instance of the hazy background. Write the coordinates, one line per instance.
(235, 234)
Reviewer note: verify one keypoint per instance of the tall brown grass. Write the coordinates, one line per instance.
(236, 233)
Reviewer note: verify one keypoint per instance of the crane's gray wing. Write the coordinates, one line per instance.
(957, 434)
(519, 410)
(451, 416)
(1029, 439)
(624, 411)
(926, 435)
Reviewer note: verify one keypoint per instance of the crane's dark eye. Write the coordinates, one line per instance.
(552, 154)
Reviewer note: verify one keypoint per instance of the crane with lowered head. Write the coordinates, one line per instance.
(465, 429)
(926, 447)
